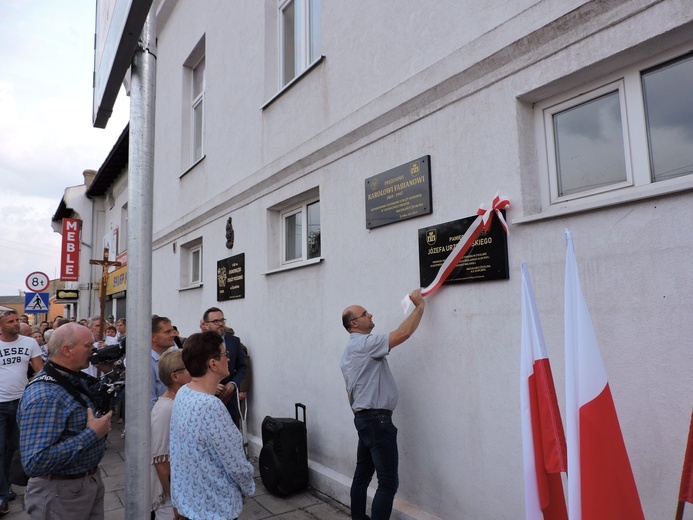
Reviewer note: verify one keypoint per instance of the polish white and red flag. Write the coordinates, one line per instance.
(686, 488)
(543, 438)
(601, 485)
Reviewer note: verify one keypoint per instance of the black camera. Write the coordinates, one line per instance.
(108, 355)
(109, 388)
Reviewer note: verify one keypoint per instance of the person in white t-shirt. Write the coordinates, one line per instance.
(16, 353)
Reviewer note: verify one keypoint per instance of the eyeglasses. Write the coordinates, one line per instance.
(7, 313)
(365, 313)
(223, 354)
(217, 322)
(179, 370)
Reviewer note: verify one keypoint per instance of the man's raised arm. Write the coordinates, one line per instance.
(410, 324)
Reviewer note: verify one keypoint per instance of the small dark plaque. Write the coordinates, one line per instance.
(486, 260)
(400, 193)
(231, 278)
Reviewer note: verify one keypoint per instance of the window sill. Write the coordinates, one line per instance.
(292, 83)
(633, 194)
(192, 166)
(190, 287)
(297, 265)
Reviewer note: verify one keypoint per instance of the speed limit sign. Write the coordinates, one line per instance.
(37, 281)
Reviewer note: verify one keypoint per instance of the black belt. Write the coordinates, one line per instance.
(70, 477)
(375, 411)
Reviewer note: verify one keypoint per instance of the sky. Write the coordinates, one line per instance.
(46, 136)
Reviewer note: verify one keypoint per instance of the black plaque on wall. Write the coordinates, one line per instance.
(398, 194)
(231, 278)
(486, 260)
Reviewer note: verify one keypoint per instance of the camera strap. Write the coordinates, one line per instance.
(52, 374)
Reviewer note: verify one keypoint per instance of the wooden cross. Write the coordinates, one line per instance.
(105, 264)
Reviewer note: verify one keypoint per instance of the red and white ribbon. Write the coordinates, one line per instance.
(481, 223)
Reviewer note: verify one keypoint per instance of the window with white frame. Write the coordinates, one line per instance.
(294, 234)
(198, 110)
(669, 118)
(627, 136)
(196, 265)
(588, 143)
(301, 233)
(191, 264)
(192, 143)
(299, 37)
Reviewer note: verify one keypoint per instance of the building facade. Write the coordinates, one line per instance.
(272, 120)
(101, 206)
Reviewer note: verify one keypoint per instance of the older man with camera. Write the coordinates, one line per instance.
(62, 440)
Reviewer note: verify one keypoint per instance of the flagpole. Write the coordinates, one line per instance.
(679, 510)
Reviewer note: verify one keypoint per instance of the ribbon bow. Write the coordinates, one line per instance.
(497, 205)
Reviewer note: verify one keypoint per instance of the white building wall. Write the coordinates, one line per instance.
(463, 93)
(115, 198)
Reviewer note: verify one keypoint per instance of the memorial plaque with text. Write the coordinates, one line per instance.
(231, 278)
(398, 194)
(486, 260)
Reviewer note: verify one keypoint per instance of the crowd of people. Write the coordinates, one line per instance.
(199, 468)
(50, 416)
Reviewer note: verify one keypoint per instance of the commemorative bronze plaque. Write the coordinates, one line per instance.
(231, 278)
(486, 260)
(398, 194)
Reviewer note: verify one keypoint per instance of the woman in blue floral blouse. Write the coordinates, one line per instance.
(209, 471)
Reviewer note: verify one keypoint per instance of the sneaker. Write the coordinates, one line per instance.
(4, 507)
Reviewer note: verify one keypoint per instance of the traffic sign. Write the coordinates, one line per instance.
(36, 303)
(37, 281)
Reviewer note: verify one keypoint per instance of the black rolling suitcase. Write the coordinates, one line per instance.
(284, 454)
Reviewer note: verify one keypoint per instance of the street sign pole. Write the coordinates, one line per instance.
(139, 301)
(37, 301)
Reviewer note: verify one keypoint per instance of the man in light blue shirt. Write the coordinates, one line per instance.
(373, 396)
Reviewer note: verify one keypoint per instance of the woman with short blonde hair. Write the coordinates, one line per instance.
(174, 375)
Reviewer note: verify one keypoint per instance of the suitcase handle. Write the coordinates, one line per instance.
(303, 407)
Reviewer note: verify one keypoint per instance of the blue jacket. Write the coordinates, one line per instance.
(237, 368)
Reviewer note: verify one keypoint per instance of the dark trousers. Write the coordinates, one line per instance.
(377, 453)
(9, 442)
(232, 407)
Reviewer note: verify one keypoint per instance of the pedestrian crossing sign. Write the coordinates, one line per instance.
(36, 303)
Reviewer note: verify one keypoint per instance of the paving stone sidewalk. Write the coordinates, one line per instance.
(307, 505)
